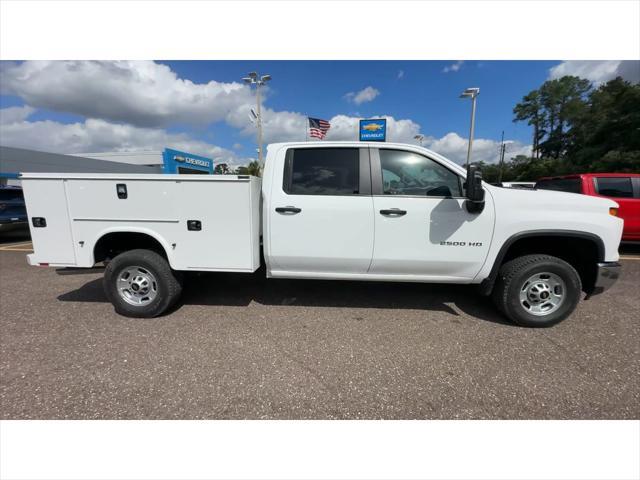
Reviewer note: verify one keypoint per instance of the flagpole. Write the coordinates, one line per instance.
(306, 130)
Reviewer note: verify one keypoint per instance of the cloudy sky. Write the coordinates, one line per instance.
(202, 107)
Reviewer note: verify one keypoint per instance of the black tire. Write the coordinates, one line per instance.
(167, 285)
(512, 278)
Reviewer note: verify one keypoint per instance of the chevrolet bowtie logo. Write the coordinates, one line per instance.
(372, 127)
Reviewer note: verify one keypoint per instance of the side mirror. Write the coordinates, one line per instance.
(475, 192)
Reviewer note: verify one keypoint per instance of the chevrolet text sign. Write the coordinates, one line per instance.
(373, 130)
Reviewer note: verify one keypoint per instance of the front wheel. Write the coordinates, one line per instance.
(537, 290)
(141, 284)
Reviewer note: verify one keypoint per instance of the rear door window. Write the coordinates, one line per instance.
(617, 187)
(571, 185)
(323, 171)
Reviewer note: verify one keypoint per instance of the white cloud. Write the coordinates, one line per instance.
(344, 127)
(95, 135)
(454, 147)
(598, 71)
(127, 103)
(142, 93)
(367, 94)
(454, 67)
(400, 75)
(15, 114)
(293, 127)
(237, 146)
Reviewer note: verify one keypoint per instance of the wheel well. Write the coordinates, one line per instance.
(115, 243)
(581, 252)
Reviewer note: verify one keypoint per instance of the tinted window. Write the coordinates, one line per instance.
(323, 171)
(10, 194)
(407, 173)
(571, 185)
(614, 187)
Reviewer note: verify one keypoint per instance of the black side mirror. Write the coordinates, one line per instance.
(475, 192)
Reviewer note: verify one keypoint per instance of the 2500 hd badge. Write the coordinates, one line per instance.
(461, 244)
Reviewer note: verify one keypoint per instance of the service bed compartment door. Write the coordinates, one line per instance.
(321, 212)
(219, 231)
(46, 198)
(422, 226)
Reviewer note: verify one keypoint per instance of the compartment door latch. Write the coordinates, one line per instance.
(194, 225)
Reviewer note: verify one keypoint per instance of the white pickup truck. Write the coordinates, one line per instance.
(329, 210)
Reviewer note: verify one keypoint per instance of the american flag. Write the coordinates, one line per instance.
(318, 128)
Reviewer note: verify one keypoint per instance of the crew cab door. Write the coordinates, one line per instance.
(320, 212)
(422, 228)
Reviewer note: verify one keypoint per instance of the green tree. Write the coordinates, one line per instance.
(530, 109)
(579, 129)
(253, 168)
(221, 169)
(563, 101)
(607, 135)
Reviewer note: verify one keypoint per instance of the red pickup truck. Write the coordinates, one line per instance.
(623, 188)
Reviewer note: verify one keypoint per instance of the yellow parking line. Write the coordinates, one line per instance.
(629, 258)
(17, 248)
(19, 244)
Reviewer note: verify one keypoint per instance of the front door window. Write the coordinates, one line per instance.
(408, 173)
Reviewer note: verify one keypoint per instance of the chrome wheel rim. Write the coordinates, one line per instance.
(542, 294)
(137, 286)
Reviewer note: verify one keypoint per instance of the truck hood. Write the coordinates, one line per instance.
(530, 198)
(520, 210)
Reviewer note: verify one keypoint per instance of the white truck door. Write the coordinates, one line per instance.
(421, 225)
(320, 212)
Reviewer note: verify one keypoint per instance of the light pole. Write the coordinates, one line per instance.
(471, 93)
(253, 78)
(420, 138)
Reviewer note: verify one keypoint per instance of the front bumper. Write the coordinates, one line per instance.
(608, 273)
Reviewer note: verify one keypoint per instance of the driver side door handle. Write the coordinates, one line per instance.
(288, 210)
(393, 212)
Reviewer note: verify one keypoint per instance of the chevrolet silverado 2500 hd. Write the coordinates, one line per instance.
(325, 210)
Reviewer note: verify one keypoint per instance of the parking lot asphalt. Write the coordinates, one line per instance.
(243, 347)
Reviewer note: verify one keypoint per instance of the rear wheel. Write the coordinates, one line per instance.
(537, 290)
(141, 284)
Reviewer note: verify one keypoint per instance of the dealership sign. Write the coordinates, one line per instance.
(373, 130)
(191, 161)
(176, 161)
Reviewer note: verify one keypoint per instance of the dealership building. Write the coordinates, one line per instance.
(167, 160)
(14, 161)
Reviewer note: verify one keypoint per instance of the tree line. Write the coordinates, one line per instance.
(253, 168)
(576, 128)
